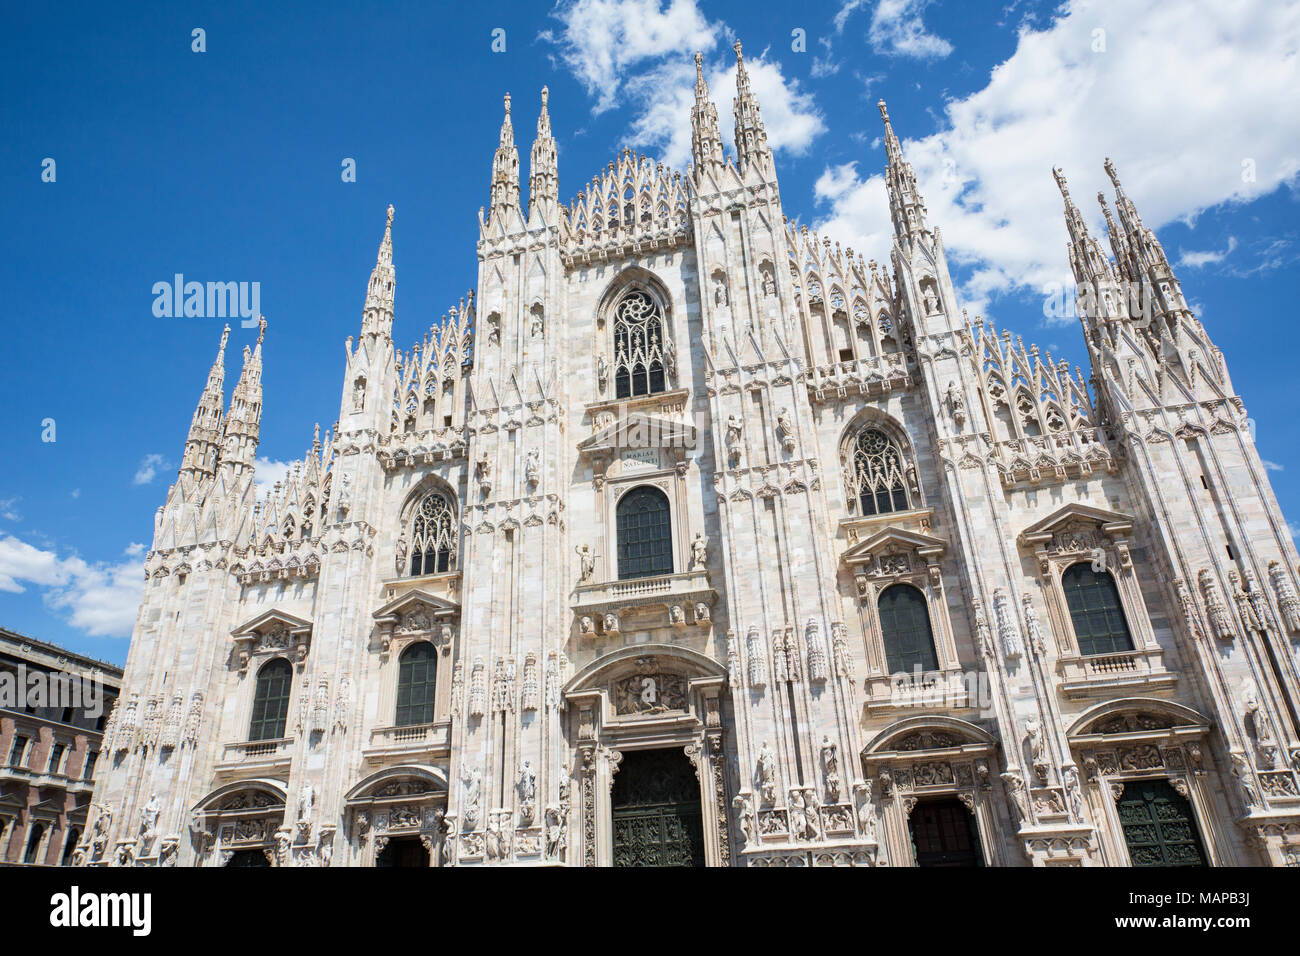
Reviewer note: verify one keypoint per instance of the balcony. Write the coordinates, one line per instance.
(1103, 673)
(687, 598)
(410, 741)
(256, 755)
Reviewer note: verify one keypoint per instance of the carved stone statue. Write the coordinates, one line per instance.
(719, 291)
(701, 613)
(699, 552)
(767, 772)
(831, 769)
(401, 554)
(586, 563)
(744, 807)
(527, 787)
(359, 395)
(483, 470)
(784, 429)
(556, 833)
(149, 821)
(602, 373)
(532, 467)
(472, 782)
(956, 404)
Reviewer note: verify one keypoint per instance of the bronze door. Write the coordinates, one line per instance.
(657, 819)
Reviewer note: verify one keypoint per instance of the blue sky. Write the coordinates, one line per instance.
(225, 166)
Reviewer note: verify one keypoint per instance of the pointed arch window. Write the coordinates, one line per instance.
(432, 538)
(1095, 610)
(415, 684)
(638, 346)
(877, 474)
(271, 700)
(905, 628)
(645, 537)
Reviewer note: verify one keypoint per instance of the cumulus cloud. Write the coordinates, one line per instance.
(602, 39)
(655, 73)
(149, 466)
(100, 598)
(1069, 96)
(896, 29)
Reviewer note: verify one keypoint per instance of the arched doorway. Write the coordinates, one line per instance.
(403, 852)
(1159, 826)
(656, 811)
(944, 834)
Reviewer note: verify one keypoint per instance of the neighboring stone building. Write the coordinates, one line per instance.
(689, 537)
(53, 705)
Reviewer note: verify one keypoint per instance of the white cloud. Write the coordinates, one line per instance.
(9, 509)
(266, 472)
(896, 29)
(1272, 465)
(1195, 260)
(1184, 92)
(100, 598)
(603, 41)
(149, 466)
(846, 10)
(667, 94)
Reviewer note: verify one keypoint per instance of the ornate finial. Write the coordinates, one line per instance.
(390, 216)
(507, 104)
(225, 334)
(884, 111)
(546, 93)
(261, 328)
(736, 47)
(699, 61)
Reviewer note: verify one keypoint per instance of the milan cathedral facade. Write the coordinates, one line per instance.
(690, 538)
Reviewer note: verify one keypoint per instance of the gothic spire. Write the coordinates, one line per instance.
(203, 445)
(751, 137)
(244, 419)
(1087, 259)
(1118, 245)
(706, 141)
(905, 203)
(543, 169)
(377, 316)
(505, 171)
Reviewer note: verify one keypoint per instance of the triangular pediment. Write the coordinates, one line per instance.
(892, 539)
(1111, 522)
(269, 619)
(412, 601)
(639, 430)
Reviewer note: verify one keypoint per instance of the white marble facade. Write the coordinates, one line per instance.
(793, 385)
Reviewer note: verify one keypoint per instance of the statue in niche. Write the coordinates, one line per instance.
(931, 300)
(586, 563)
(720, 291)
(670, 359)
(769, 283)
(483, 469)
(359, 395)
(532, 467)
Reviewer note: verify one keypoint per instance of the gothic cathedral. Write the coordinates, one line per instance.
(690, 538)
